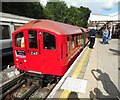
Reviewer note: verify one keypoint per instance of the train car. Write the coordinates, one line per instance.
(9, 23)
(46, 47)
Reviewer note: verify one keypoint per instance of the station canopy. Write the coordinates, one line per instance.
(95, 17)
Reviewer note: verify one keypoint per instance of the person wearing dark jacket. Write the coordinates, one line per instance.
(92, 34)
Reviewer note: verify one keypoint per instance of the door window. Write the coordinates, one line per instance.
(49, 41)
(19, 40)
(32, 35)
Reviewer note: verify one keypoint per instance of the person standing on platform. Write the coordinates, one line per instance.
(92, 34)
(110, 33)
(105, 35)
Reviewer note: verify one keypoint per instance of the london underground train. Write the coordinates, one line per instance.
(45, 47)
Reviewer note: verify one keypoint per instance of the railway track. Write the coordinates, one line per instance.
(21, 91)
(23, 87)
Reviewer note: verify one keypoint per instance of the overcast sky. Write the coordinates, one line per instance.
(103, 7)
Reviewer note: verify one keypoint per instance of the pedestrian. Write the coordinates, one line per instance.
(110, 33)
(105, 35)
(92, 34)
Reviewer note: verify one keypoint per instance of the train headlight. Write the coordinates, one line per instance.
(16, 59)
(24, 60)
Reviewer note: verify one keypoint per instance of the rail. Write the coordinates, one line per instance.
(8, 85)
(12, 89)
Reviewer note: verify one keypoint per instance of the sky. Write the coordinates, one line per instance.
(102, 7)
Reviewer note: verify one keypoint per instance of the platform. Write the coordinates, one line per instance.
(94, 74)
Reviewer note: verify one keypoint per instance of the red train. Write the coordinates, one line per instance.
(47, 47)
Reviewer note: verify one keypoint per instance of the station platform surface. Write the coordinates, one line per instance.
(94, 74)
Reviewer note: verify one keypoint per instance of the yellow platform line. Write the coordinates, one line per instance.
(65, 93)
(80, 65)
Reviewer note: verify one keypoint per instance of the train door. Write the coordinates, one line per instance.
(27, 50)
(50, 53)
(33, 51)
(20, 50)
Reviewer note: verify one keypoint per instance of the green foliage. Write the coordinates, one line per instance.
(28, 9)
(57, 11)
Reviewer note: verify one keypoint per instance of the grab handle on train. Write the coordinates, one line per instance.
(26, 45)
(39, 46)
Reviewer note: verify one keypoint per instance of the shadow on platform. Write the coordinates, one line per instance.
(97, 94)
(108, 86)
(115, 52)
(73, 96)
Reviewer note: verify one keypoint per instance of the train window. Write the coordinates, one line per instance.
(5, 34)
(32, 39)
(77, 40)
(49, 41)
(68, 44)
(83, 40)
(73, 43)
(19, 40)
(80, 39)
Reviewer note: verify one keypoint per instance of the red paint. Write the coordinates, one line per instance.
(53, 62)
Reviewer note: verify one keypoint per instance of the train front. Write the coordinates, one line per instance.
(36, 50)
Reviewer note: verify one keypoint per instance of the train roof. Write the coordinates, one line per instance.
(56, 27)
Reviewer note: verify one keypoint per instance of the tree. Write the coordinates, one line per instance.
(84, 14)
(27, 9)
(56, 11)
(73, 17)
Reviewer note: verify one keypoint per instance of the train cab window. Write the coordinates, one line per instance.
(19, 40)
(5, 34)
(49, 41)
(32, 35)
